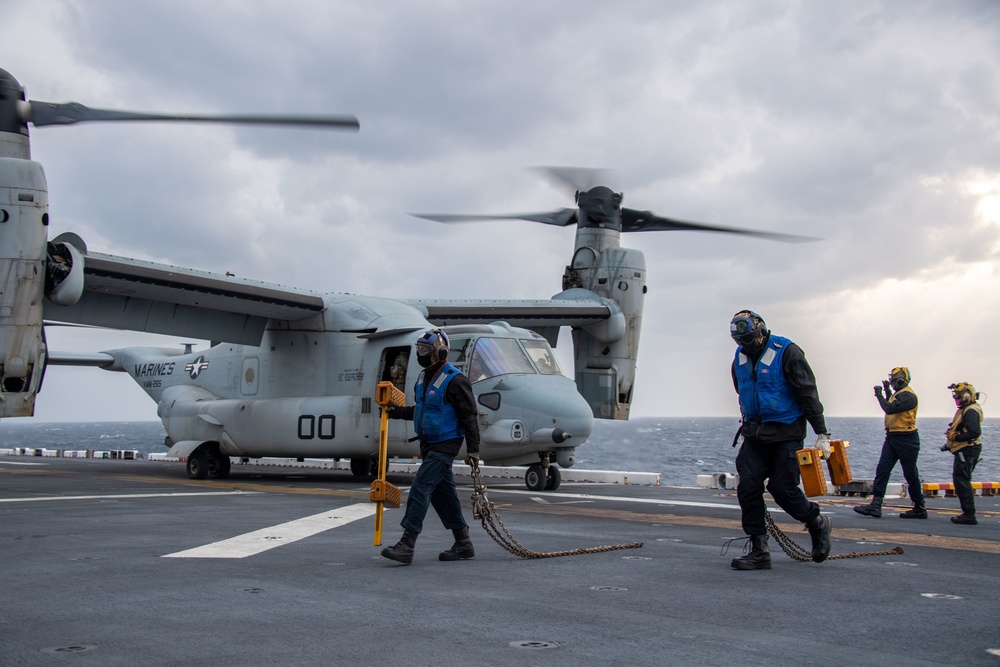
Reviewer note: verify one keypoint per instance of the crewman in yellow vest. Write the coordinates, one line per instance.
(964, 442)
(902, 444)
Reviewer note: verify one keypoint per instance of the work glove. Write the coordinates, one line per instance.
(878, 392)
(823, 444)
(389, 409)
(472, 460)
(887, 387)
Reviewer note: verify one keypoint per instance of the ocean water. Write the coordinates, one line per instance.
(679, 448)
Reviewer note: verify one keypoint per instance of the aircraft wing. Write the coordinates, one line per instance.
(136, 295)
(545, 316)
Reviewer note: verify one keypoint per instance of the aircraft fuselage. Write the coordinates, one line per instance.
(308, 392)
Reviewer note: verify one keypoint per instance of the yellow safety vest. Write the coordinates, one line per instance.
(901, 421)
(956, 425)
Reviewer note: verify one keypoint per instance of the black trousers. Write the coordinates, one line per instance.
(961, 475)
(905, 448)
(775, 464)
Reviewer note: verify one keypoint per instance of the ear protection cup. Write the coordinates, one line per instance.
(444, 345)
(899, 377)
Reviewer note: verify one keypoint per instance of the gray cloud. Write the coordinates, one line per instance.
(862, 124)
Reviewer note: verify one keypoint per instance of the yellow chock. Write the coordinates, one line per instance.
(385, 492)
(813, 480)
(838, 465)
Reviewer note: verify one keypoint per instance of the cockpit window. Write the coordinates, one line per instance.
(497, 356)
(541, 354)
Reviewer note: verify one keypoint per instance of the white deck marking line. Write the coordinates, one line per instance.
(127, 495)
(19, 463)
(259, 541)
(645, 501)
(622, 499)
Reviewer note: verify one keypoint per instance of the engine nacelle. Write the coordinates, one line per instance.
(24, 220)
(605, 353)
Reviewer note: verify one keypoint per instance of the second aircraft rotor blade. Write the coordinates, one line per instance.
(560, 218)
(49, 113)
(644, 221)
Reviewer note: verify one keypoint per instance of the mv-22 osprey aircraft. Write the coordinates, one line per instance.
(292, 373)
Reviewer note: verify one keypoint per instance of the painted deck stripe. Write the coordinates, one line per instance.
(125, 495)
(262, 540)
(622, 499)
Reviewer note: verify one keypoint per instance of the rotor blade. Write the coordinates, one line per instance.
(48, 113)
(560, 218)
(579, 179)
(644, 221)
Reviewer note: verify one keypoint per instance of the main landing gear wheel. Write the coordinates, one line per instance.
(208, 462)
(553, 479)
(197, 464)
(363, 467)
(219, 466)
(535, 478)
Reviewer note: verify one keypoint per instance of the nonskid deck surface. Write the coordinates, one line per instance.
(129, 562)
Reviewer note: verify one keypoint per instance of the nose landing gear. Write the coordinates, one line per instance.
(542, 476)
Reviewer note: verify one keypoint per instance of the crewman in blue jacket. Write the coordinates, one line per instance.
(444, 414)
(778, 396)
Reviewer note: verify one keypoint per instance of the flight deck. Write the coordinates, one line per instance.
(126, 562)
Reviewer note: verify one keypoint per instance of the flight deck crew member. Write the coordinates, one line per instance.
(964, 442)
(777, 395)
(902, 443)
(444, 414)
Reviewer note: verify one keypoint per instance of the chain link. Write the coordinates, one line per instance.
(484, 510)
(798, 553)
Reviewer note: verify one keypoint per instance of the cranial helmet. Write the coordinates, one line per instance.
(963, 393)
(899, 377)
(432, 347)
(747, 328)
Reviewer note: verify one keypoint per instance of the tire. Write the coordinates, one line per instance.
(363, 467)
(554, 479)
(197, 464)
(535, 478)
(219, 466)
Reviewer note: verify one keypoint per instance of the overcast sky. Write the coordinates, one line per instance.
(873, 125)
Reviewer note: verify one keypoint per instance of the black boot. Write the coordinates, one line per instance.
(819, 531)
(918, 512)
(963, 518)
(758, 558)
(874, 508)
(402, 551)
(462, 548)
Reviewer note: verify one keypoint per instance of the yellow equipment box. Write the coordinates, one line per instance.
(813, 479)
(839, 466)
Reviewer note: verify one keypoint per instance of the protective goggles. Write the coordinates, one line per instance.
(423, 349)
(959, 389)
(743, 330)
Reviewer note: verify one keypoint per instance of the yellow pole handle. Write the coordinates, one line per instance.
(385, 395)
